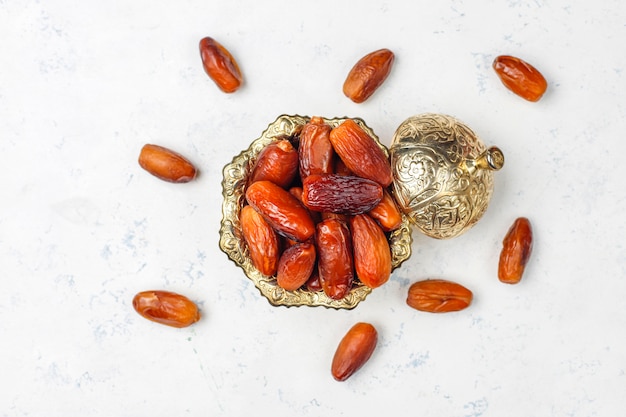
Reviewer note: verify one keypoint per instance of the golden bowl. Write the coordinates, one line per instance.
(231, 239)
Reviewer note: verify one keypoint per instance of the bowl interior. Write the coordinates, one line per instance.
(234, 183)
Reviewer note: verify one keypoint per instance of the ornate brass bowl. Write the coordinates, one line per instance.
(231, 240)
(443, 174)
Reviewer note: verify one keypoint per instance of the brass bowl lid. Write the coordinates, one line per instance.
(443, 174)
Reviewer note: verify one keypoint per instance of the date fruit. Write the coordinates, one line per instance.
(315, 151)
(297, 193)
(283, 211)
(337, 216)
(341, 168)
(368, 74)
(166, 164)
(372, 256)
(520, 77)
(261, 239)
(313, 284)
(166, 307)
(335, 260)
(220, 65)
(438, 296)
(386, 213)
(277, 162)
(516, 249)
(354, 350)
(360, 153)
(340, 194)
(296, 266)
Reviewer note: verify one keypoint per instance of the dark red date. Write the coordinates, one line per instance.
(340, 194)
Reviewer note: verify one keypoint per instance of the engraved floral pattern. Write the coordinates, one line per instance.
(433, 186)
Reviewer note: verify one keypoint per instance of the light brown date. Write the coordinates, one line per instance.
(516, 249)
(296, 266)
(166, 164)
(281, 210)
(166, 307)
(372, 256)
(277, 162)
(360, 153)
(368, 74)
(386, 213)
(220, 65)
(520, 77)
(354, 350)
(335, 260)
(261, 239)
(340, 193)
(438, 296)
(315, 151)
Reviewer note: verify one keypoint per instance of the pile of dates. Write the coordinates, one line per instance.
(318, 209)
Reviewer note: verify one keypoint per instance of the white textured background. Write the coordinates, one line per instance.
(84, 84)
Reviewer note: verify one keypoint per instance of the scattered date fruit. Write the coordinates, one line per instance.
(354, 350)
(166, 164)
(516, 249)
(368, 74)
(220, 65)
(166, 307)
(438, 296)
(520, 77)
